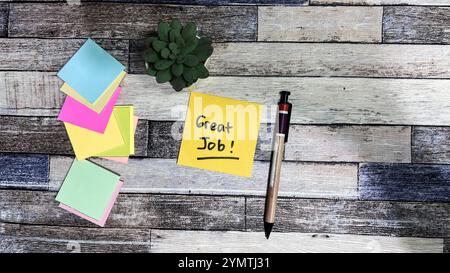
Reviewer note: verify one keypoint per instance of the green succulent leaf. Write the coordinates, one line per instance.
(148, 41)
(176, 24)
(163, 31)
(191, 44)
(163, 76)
(204, 41)
(173, 34)
(201, 70)
(151, 71)
(180, 41)
(189, 30)
(163, 64)
(165, 52)
(203, 52)
(191, 60)
(150, 56)
(180, 59)
(177, 70)
(173, 56)
(173, 46)
(190, 75)
(158, 45)
(178, 83)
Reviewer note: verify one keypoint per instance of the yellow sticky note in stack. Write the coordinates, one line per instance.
(220, 134)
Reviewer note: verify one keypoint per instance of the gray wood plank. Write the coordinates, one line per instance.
(404, 182)
(320, 24)
(446, 245)
(4, 9)
(123, 21)
(316, 100)
(431, 144)
(330, 59)
(382, 2)
(16, 238)
(349, 143)
(426, 25)
(188, 2)
(152, 175)
(242, 242)
(130, 211)
(413, 219)
(47, 135)
(24, 171)
(50, 54)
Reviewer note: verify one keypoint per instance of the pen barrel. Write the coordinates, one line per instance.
(273, 184)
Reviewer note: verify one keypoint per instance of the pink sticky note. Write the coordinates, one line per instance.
(80, 115)
(100, 222)
(122, 159)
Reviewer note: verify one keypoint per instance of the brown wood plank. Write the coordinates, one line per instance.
(48, 135)
(124, 21)
(130, 211)
(425, 25)
(50, 54)
(413, 219)
(17, 238)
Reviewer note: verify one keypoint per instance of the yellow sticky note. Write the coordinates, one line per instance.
(101, 102)
(87, 143)
(220, 134)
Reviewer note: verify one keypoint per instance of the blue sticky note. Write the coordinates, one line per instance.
(90, 71)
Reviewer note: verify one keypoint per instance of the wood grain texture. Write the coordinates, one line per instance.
(154, 175)
(426, 25)
(404, 182)
(320, 24)
(413, 219)
(130, 211)
(47, 135)
(122, 21)
(242, 242)
(447, 245)
(189, 2)
(349, 143)
(16, 238)
(430, 144)
(24, 171)
(382, 2)
(4, 9)
(316, 100)
(50, 54)
(330, 59)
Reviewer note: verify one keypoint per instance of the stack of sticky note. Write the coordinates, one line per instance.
(96, 127)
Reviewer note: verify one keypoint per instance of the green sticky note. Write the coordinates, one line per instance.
(124, 116)
(88, 188)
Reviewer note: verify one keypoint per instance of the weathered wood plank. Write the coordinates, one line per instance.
(446, 245)
(4, 9)
(47, 135)
(404, 182)
(151, 175)
(382, 2)
(189, 2)
(431, 144)
(130, 211)
(320, 24)
(330, 59)
(238, 242)
(413, 219)
(426, 25)
(122, 21)
(50, 54)
(349, 143)
(16, 238)
(316, 100)
(24, 171)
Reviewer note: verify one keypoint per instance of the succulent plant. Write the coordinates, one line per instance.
(177, 55)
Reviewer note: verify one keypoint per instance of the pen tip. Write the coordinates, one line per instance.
(268, 229)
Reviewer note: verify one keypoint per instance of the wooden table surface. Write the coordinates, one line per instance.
(367, 161)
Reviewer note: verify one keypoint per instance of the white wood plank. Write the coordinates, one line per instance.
(315, 100)
(349, 143)
(318, 24)
(330, 59)
(230, 241)
(151, 175)
(382, 2)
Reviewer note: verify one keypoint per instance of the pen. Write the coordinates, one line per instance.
(280, 138)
